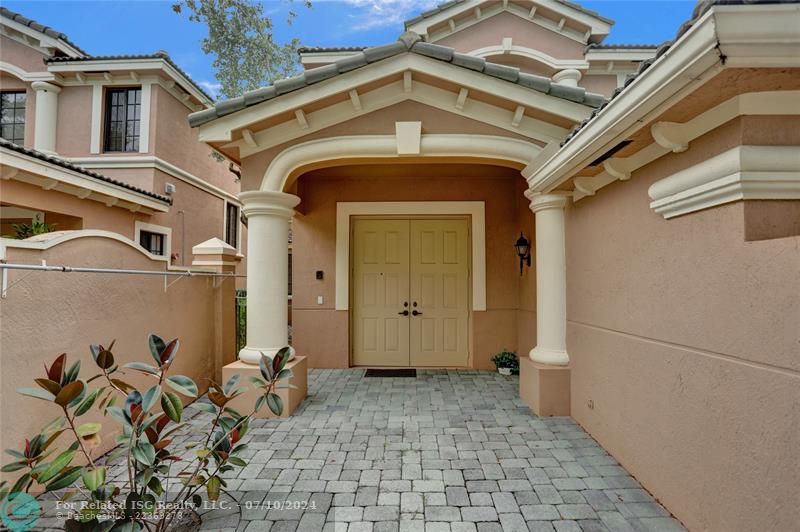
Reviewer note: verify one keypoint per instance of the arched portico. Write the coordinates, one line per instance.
(378, 113)
(270, 209)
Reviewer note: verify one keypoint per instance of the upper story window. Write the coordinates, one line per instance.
(122, 119)
(232, 224)
(12, 116)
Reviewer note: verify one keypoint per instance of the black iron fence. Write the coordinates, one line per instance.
(241, 319)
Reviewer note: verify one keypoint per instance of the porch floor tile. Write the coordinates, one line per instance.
(452, 450)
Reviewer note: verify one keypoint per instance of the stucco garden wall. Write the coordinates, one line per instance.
(47, 314)
(684, 336)
(321, 332)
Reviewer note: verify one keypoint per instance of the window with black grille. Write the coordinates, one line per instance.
(12, 116)
(122, 122)
(232, 224)
(152, 242)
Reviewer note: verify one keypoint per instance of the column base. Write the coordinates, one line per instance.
(544, 388)
(549, 357)
(291, 397)
(252, 355)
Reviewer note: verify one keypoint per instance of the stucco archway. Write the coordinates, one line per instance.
(286, 166)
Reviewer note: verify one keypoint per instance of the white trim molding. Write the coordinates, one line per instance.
(281, 170)
(98, 114)
(530, 53)
(222, 129)
(30, 37)
(52, 177)
(24, 75)
(392, 94)
(675, 137)
(474, 209)
(151, 161)
(161, 65)
(324, 57)
(481, 10)
(746, 36)
(54, 238)
(742, 173)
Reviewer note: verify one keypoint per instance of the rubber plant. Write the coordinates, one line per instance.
(148, 419)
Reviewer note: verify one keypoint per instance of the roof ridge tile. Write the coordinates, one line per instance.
(408, 42)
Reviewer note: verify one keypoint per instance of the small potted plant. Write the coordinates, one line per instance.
(506, 362)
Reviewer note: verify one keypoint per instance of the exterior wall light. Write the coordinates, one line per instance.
(523, 247)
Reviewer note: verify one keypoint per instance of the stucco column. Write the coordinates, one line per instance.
(569, 77)
(551, 279)
(268, 214)
(44, 128)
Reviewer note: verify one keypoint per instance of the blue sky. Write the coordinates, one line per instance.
(140, 27)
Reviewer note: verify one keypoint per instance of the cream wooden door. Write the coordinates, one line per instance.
(439, 285)
(380, 289)
(410, 282)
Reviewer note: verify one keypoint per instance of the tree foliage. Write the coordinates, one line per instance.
(242, 41)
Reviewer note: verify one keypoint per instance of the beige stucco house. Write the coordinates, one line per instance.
(99, 148)
(660, 188)
(102, 143)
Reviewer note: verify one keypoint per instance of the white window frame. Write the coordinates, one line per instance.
(138, 227)
(98, 113)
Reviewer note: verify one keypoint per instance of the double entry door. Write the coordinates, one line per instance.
(410, 288)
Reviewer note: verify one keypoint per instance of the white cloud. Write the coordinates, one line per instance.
(211, 87)
(382, 13)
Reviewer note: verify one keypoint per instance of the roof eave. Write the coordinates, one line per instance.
(220, 129)
(142, 63)
(599, 26)
(746, 35)
(74, 177)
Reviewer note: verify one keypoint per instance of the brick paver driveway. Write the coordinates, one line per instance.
(448, 451)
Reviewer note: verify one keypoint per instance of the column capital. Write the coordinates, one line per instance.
(541, 202)
(268, 203)
(44, 86)
(568, 77)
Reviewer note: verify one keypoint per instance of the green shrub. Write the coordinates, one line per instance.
(144, 441)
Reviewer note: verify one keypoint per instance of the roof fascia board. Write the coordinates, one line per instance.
(34, 166)
(685, 66)
(759, 35)
(131, 64)
(44, 40)
(748, 36)
(392, 94)
(221, 129)
(317, 58)
(620, 55)
(598, 26)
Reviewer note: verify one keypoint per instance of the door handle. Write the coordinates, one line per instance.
(416, 313)
(404, 313)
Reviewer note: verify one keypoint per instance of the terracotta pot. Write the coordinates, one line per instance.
(504, 371)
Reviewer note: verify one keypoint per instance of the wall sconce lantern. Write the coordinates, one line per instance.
(523, 247)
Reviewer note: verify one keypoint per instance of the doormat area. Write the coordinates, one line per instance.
(405, 372)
